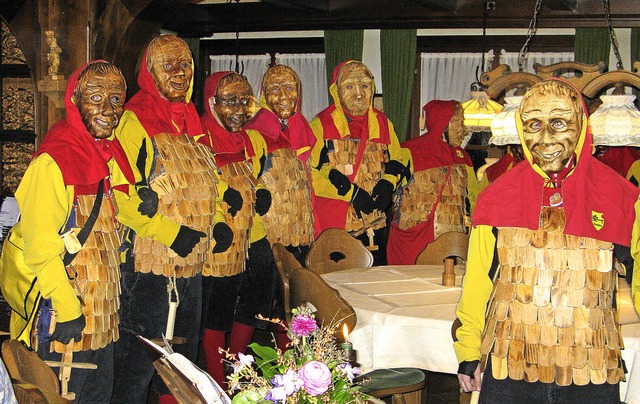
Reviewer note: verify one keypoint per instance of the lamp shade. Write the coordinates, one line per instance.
(503, 126)
(479, 111)
(616, 122)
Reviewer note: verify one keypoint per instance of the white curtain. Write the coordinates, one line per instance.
(254, 67)
(448, 76)
(544, 58)
(311, 68)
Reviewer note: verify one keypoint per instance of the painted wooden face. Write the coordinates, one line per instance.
(456, 129)
(232, 103)
(551, 122)
(355, 88)
(280, 89)
(170, 65)
(100, 100)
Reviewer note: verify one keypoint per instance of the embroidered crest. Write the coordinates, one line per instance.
(555, 200)
(597, 219)
(459, 154)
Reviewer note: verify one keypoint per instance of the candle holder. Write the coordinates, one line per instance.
(347, 347)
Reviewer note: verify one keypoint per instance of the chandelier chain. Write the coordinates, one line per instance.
(533, 27)
(612, 35)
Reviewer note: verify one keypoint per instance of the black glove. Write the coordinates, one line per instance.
(233, 198)
(223, 235)
(382, 194)
(362, 201)
(186, 239)
(340, 181)
(323, 158)
(263, 201)
(149, 204)
(394, 167)
(68, 330)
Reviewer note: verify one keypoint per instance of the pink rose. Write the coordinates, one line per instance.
(316, 377)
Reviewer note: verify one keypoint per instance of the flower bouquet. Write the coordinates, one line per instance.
(312, 370)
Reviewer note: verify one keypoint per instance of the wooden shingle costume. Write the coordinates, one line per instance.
(539, 270)
(352, 175)
(433, 200)
(289, 140)
(78, 162)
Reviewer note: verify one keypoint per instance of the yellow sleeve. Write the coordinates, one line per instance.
(476, 289)
(396, 153)
(633, 175)
(132, 137)
(45, 205)
(320, 175)
(258, 231)
(473, 187)
(635, 253)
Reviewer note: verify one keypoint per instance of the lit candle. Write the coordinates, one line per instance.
(346, 346)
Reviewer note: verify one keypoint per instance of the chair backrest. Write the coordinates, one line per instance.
(25, 366)
(309, 287)
(286, 264)
(335, 250)
(451, 244)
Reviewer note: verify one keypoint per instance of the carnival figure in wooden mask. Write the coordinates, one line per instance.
(289, 140)
(77, 170)
(243, 278)
(564, 205)
(356, 161)
(164, 260)
(434, 197)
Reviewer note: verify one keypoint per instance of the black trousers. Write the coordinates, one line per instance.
(144, 307)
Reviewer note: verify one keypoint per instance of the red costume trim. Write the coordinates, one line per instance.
(620, 158)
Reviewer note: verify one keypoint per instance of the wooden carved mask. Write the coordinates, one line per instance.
(99, 96)
(170, 63)
(280, 89)
(355, 88)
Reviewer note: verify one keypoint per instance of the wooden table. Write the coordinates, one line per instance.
(405, 316)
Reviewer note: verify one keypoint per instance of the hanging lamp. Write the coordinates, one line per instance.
(616, 122)
(480, 110)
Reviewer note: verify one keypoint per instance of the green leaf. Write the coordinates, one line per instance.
(268, 354)
(248, 397)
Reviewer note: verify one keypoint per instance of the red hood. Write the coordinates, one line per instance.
(589, 191)
(159, 115)
(81, 158)
(227, 146)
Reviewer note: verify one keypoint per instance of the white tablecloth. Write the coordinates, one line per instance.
(405, 316)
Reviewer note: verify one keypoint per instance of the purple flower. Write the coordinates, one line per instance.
(277, 394)
(303, 324)
(349, 370)
(243, 361)
(289, 382)
(316, 377)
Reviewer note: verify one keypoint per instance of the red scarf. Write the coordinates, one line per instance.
(297, 134)
(228, 147)
(82, 159)
(590, 191)
(159, 115)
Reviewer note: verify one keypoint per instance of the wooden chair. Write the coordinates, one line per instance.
(335, 250)
(33, 380)
(404, 385)
(451, 244)
(286, 264)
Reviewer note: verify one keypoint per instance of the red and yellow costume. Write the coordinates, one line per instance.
(290, 220)
(432, 201)
(357, 146)
(538, 293)
(624, 160)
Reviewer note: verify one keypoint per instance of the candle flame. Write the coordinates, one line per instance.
(345, 332)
